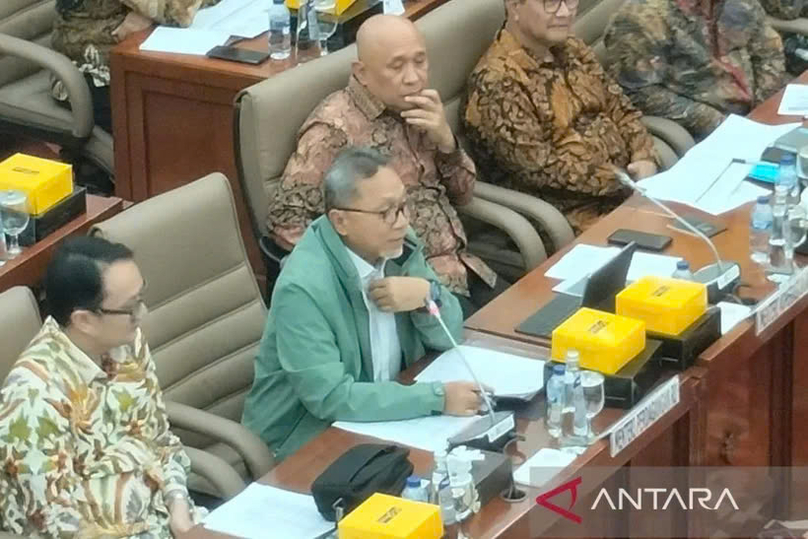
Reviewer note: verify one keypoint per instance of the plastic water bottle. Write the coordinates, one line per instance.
(777, 238)
(280, 36)
(441, 491)
(571, 374)
(683, 271)
(555, 401)
(580, 426)
(760, 228)
(787, 177)
(3, 250)
(414, 491)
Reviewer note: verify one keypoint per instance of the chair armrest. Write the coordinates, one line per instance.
(795, 26)
(216, 470)
(518, 228)
(673, 134)
(252, 449)
(63, 68)
(535, 209)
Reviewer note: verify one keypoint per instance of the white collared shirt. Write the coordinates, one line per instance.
(385, 349)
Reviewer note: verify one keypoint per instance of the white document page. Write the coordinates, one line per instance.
(243, 18)
(508, 375)
(265, 512)
(393, 7)
(183, 40)
(794, 101)
(732, 314)
(543, 466)
(428, 433)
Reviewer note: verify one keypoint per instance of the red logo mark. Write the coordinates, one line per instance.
(572, 486)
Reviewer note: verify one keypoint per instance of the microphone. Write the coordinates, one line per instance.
(490, 432)
(721, 277)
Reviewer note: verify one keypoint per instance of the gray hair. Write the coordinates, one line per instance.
(351, 166)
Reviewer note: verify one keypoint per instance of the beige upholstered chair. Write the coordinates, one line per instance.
(270, 113)
(206, 315)
(26, 106)
(670, 139)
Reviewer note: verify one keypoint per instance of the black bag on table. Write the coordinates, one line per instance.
(359, 473)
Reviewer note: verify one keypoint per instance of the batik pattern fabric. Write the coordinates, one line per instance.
(680, 60)
(86, 450)
(434, 180)
(554, 126)
(85, 30)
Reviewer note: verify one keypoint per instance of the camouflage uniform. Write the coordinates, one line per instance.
(676, 61)
(84, 30)
(790, 10)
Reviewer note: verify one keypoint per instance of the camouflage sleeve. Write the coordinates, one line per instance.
(783, 9)
(168, 12)
(624, 114)
(768, 58)
(501, 118)
(298, 199)
(636, 49)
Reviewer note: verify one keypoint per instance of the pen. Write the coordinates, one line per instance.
(754, 163)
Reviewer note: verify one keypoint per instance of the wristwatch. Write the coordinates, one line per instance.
(434, 292)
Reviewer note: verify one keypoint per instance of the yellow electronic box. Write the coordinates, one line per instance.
(45, 182)
(340, 8)
(605, 341)
(668, 306)
(387, 517)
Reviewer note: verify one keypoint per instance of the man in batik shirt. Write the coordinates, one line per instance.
(86, 30)
(694, 61)
(388, 106)
(542, 117)
(86, 448)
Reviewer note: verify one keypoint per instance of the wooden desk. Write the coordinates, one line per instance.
(29, 267)
(675, 440)
(757, 405)
(172, 117)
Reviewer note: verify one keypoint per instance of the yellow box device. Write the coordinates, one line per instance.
(341, 5)
(668, 306)
(604, 341)
(45, 182)
(387, 517)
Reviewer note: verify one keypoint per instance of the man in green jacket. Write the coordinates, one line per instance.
(348, 306)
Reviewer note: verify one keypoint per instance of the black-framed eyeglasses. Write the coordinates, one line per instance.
(132, 312)
(551, 7)
(389, 216)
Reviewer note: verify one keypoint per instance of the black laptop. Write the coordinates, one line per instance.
(599, 292)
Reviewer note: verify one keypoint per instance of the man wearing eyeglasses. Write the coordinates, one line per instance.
(348, 313)
(87, 450)
(542, 117)
(388, 105)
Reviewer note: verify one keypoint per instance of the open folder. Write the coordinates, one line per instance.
(510, 376)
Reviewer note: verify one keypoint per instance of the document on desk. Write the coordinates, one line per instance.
(583, 259)
(794, 101)
(508, 375)
(710, 177)
(242, 18)
(183, 40)
(262, 511)
(732, 314)
(428, 433)
(545, 464)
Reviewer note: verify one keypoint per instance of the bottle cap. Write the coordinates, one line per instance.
(682, 265)
(413, 481)
(764, 199)
(558, 369)
(788, 158)
(572, 353)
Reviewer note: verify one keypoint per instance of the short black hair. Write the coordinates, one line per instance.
(74, 275)
(352, 165)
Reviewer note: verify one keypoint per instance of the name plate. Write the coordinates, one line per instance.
(645, 414)
(786, 295)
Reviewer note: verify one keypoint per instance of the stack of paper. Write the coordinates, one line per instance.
(427, 433)
(261, 511)
(543, 466)
(183, 40)
(706, 178)
(794, 101)
(242, 18)
(508, 375)
(583, 259)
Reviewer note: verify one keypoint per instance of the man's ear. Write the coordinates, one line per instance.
(337, 218)
(359, 71)
(82, 320)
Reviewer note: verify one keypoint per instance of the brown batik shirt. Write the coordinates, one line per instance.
(434, 180)
(554, 127)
